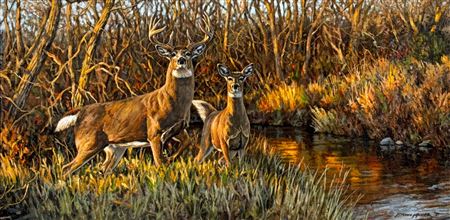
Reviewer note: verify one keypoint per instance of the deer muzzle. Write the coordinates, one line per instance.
(235, 91)
(181, 61)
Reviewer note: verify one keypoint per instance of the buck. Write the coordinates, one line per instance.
(147, 120)
(228, 130)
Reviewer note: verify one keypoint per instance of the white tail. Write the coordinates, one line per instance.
(66, 122)
(138, 119)
(203, 108)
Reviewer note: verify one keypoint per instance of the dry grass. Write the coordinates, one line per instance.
(259, 186)
(330, 49)
(409, 102)
(347, 67)
(284, 104)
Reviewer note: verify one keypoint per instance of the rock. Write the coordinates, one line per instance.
(399, 145)
(410, 146)
(426, 144)
(14, 211)
(384, 148)
(387, 142)
(424, 149)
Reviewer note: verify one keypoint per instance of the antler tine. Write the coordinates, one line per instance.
(171, 38)
(188, 37)
(153, 30)
(206, 30)
(207, 21)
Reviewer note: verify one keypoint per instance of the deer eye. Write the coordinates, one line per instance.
(173, 54)
(241, 78)
(230, 78)
(188, 54)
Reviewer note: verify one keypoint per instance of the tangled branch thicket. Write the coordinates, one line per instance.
(58, 55)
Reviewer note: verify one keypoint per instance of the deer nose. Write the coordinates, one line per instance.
(181, 61)
(235, 86)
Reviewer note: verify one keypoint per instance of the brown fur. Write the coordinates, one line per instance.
(154, 117)
(227, 130)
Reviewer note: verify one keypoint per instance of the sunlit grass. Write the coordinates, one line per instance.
(284, 104)
(409, 102)
(287, 98)
(258, 186)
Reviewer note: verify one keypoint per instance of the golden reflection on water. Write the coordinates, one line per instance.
(368, 173)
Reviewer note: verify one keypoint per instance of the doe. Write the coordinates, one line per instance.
(228, 130)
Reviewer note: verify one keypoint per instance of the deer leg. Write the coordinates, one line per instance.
(241, 154)
(226, 153)
(156, 150)
(117, 154)
(109, 151)
(172, 131)
(205, 148)
(223, 160)
(82, 158)
(233, 154)
(88, 147)
(185, 141)
(206, 154)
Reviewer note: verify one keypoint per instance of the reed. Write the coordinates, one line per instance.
(407, 101)
(257, 186)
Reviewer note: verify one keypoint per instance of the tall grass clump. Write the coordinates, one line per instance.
(408, 102)
(257, 186)
(284, 104)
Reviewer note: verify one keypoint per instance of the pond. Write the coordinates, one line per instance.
(392, 186)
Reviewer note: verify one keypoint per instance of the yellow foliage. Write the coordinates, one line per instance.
(284, 97)
(367, 100)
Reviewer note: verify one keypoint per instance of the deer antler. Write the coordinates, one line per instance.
(171, 38)
(188, 37)
(206, 30)
(153, 30)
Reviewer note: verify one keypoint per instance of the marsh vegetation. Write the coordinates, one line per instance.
(353, 67)
(258, 186)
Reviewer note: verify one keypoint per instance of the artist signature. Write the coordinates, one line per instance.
(414, 215)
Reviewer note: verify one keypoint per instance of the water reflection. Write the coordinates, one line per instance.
(390, 185)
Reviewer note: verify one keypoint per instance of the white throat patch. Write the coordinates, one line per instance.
(235, 94)
(182, 73)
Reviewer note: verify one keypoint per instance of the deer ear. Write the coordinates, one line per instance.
(248, 70)
(198, 50)
(163, 51)
(223, 70)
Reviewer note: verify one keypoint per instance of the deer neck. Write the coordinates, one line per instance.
(179, 87)
(235, 106)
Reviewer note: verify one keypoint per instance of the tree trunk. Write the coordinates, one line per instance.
(7, 37)
(70, 45)
(274, 35)
(302, 22)
(18, 31)
(92, 44)
(315, 25)
(34, 67)
(227, 26)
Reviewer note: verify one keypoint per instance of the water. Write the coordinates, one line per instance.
(392, 186)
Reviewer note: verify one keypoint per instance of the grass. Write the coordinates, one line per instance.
(376, 74)
(284, 104)
(408, 101)
(258, 186)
